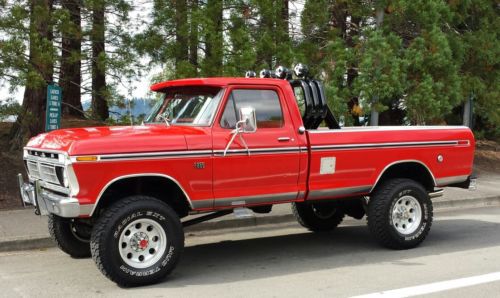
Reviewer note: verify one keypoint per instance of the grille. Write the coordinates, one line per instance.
(43, 171)
(48, 155)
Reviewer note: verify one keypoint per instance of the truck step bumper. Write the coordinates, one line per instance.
(46, 202)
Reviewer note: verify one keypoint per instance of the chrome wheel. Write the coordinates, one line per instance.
(406, 215)
(142, 243)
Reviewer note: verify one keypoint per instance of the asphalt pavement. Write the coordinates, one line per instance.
(21, 229)
(284, 260)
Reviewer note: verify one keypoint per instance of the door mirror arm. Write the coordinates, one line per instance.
(237, 132)
(247, 124)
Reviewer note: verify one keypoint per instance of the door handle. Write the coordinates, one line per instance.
(283, 139)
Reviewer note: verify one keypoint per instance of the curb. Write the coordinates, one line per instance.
(26, 243)
(42, 241)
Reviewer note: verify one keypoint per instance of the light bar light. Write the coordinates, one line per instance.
(283, 73)
(250, 74)
(301, 71)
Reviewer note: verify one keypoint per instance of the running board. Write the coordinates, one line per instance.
(436, 194)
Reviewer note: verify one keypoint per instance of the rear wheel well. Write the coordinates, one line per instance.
(410, 170)
(158, 187)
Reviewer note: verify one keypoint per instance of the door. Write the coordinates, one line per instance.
(265, 172)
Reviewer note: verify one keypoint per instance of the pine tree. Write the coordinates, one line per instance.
(476, 47)
(214, 44)
(100, 108)
(70, 78)
(39, 73)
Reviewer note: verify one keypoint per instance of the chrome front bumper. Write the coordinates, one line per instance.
(46, 202)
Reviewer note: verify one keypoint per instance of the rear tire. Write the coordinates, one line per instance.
(318, 217)
(71, 236)
(137, 241)
(400, 214)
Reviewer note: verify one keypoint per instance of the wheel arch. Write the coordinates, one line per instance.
(161, 186)
(411, 169)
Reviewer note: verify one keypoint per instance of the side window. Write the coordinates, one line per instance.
(228, 119)
(299, 97)
(266, 103)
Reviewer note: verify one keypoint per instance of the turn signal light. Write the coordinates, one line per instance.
(86, 158)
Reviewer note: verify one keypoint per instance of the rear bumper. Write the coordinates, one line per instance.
(47, 202)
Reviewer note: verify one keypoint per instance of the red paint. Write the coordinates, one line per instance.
(143, 243)
(256, 175)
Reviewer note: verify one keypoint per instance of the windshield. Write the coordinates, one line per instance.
(187, 106)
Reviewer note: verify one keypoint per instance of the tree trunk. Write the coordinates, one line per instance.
(70, 76)
(100, 109)
(214, 39)
(31, 118)
(266, 27)
(181, 37)
(282, 37)
(193, 38)
(379, 17)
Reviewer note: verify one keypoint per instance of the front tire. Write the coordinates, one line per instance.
(318, 217)
(400, 214)
(137, 241)
(70, 235)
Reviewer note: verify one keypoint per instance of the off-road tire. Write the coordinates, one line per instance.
(309, 215)
(106, 238)
(380, 219)
(67, 240)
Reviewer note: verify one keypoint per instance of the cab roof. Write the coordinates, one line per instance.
(218, 82)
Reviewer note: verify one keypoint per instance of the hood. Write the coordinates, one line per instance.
(115, 139)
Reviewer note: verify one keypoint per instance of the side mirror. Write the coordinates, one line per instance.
(247, 124)
(248, 120)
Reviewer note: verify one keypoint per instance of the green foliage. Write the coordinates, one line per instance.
(423, 58)
(9, 108)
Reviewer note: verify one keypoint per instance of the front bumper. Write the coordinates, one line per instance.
(47, 202)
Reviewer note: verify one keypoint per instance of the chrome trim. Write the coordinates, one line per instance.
(26, 190)
(383, 145)
(283, 139)
(46, 150)
(259, 151)
(384, 128)
(403, 161)
(302, 195)
(436, 194)
(139, 175)
(86, 209)
(47, 202)
(450, 180)
(245, 200)
(189, 153)
(334, 192)
(146, 155)
(51, 186)
(203, 204)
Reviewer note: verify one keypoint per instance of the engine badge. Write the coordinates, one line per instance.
(199, 165)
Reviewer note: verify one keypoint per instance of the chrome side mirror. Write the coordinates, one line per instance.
(246, 124)
(248, 120)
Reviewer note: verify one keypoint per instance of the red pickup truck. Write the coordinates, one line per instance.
(215, 145)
